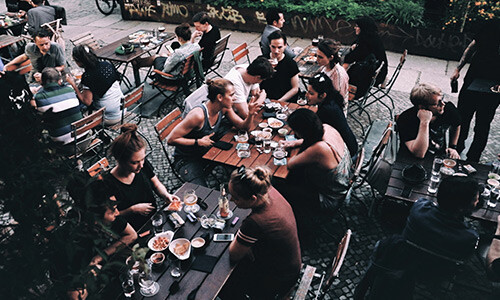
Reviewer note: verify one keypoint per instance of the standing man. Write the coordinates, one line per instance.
(38, 15)
(275, 21)
(209, 33)
(284, 84)
(43, 54)
(422, 128)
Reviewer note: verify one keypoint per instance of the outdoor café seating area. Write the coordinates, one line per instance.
(188, 237)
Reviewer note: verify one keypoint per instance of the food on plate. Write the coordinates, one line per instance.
(157, 258)
(181, 248)
(175, 205)
(275, 123)
(160, 243)
(310, 59)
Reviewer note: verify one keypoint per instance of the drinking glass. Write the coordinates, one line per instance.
(190, 200)
(494, 195)
(149, 287)
(176, 268)
(434, 183)
(128, 285)
(258, 142)
(267, 146)
(436, 165)
(242, 136)
(145, 42)
(157, 222)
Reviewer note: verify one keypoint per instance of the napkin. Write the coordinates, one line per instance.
(204, 263)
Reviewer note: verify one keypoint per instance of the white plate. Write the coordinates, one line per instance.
(302, 102)
(176, 242)
(275, 123)
(281, 116)
(168, 234)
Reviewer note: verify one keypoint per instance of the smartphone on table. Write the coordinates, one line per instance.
(223, 237)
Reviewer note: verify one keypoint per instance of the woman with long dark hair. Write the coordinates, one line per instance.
(101, 86)
(321, 92)
(367, 48)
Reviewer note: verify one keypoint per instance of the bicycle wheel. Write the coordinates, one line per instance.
(105, 6)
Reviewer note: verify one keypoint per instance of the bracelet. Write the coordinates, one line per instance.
(453, 147)
(196, 142)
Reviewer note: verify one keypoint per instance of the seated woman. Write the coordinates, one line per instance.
(133, 179)
(192, 137)
(323, 161)
(365, 50)
(100, 214)
(328, 59)
(266, 246)
(320, 92)
(101, 86)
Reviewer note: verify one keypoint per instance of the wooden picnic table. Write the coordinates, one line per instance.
(16, 26)
(209, 283)
(7, 40)
(230, 157)
(396, 185)
(107, 52)
(307, 69)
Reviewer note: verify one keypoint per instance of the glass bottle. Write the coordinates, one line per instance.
(223, 202)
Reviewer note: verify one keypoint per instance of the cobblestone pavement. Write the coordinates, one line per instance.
(471, 282)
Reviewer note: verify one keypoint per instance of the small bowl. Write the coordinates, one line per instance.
(279, 154)
(449, 163)
(493, 182)
(283, 132)
(302, 102)
(157, 258)
(281, 117)
(197, 242)
(263, 125)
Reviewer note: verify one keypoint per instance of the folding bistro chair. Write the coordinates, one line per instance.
(240, 52)
(55, 28)
(98, 168)
(381, 91)
(309, 273)
(163, 129)
(86, 132)
(358, 105)
(220, 49)
(171, 86)
(132, 98)
(86, 38)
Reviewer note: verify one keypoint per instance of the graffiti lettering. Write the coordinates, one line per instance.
(446, 41)
(169, 9)
(226, 13)
(139, 10)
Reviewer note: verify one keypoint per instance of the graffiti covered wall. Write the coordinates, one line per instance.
(420, 41)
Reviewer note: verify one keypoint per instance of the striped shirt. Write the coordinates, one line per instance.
(60, 108)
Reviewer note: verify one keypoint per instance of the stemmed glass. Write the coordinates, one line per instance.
(190, 200)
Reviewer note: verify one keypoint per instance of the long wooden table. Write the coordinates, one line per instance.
(209, 283)
(307, 69)
(397, 184)
(230, 157)
(108, 53)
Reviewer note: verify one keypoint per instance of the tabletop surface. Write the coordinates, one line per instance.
(108, 51)
(230, 157)
(396, 185)
(308, 68)
(209, 283)
(7, 40)
(15, 20)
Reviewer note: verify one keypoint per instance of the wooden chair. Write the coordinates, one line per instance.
(381, 91)
(240, 52)
(55, 28)
(358, 105)
(86, 132)
(98, 168)
(171, 86)
(86, 38)
(333, 273)
(132, 98)
(163, 129)
(220, 49)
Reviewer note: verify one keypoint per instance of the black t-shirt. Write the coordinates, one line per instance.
(100, 79)
(207, 42)
(139, 191)
(280, 83)
(408, 125)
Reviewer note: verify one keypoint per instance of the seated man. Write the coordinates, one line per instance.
(172, 63)
(209, 33)
(193, 136)
(59, 105)
(422, 128)
(493, 258)
(284, 84)
(441, 227)
(245, 79)
(42, 53)
(39, 15)
(275, 21)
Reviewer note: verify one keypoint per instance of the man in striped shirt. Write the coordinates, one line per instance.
(59, 105)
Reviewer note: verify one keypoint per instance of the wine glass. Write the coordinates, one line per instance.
(190, 200)
(145, 42)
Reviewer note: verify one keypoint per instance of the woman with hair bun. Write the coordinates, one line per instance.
(193, 136)
(133, 178)
(328, 59)
(266, 245)
(101, 84)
